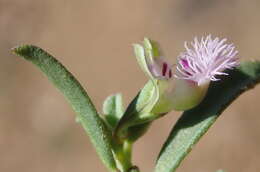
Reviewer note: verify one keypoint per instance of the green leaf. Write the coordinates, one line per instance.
(113, 110)
(76, 96)
(193, 124)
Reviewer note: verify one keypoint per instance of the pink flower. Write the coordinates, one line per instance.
(184, 85)
(206, 59)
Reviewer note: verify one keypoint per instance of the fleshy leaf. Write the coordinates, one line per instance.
(99, 135)
(193, 124)
(113, 110)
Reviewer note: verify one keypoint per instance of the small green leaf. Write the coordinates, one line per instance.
(193, 124)
(76, 96)
(113, 110)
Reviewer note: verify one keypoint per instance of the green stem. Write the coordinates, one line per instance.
(123, 155)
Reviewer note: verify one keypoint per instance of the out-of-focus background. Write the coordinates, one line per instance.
(93, 38)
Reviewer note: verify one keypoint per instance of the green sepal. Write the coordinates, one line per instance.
(152, 48)
(141, 59)
(138, 111)
(146, 54)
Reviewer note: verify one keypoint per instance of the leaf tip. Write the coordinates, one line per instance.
(20, 49)
(24, 50)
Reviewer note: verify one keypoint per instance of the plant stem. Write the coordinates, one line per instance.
(123, 155)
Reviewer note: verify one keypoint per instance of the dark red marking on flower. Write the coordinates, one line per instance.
(185, 63)
(170, 73)
(164, 69)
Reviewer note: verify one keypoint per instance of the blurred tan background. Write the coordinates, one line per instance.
(93, 39)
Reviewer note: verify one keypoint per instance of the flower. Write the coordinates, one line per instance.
(206, 59)
(183, 86)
